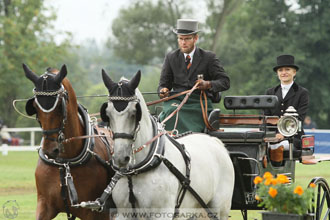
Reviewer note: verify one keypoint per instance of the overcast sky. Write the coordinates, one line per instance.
(86, 18)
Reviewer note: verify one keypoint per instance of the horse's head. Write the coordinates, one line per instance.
(123, 112)
(49, 105)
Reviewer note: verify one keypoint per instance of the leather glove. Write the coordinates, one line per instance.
(203, 85)
(164, 92)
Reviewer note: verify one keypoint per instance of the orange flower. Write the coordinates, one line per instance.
(283, 178)
(268, 181)
(272, 192)
(257, 198)
(313, 185)
(298, 190)
(274, 181)
(268, 175)
(257, 180)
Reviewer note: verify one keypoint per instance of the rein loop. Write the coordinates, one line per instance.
(188, 93)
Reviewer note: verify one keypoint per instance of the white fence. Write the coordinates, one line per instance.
(4, 148)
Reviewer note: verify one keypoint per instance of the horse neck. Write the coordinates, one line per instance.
(146, 131)
(73, 126)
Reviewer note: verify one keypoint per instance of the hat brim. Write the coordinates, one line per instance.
(284, 65)
(184, 32)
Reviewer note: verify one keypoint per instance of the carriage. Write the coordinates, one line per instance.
(246, 138)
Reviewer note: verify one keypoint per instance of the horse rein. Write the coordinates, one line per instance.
(204, 112)
(187, 92)
(167, 98)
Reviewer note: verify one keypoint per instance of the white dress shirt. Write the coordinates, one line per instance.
(191, 54)
(285, 89)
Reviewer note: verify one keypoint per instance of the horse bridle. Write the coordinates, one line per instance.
(138, 116)
(62, 94)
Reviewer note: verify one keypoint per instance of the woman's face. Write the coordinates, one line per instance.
(286, 74)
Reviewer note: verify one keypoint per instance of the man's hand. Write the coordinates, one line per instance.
(164, 92)
(203, 85)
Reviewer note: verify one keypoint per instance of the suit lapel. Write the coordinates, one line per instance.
(196, 60)
(278, 93)
(181, 63)
(290, 93)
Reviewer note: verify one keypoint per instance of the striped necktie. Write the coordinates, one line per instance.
(188, 63)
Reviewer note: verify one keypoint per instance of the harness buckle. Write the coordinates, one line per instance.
(68, 173)
(174, 132)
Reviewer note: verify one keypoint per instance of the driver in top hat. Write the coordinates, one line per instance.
(289, 93)
(180, 72)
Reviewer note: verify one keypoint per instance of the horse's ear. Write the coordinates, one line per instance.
(103, 112)
(107, 80)
(29, 74)
(134, 82)
(61, 75)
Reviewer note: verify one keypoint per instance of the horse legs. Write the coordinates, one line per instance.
(44, 211)
(220, 207)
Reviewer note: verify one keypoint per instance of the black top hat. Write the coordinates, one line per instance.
(285, 61)
(186, 27)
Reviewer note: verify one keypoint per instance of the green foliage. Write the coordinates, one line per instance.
(312, 38)
(259, 31)
(254, 36)
(143, 31)
(25, 37)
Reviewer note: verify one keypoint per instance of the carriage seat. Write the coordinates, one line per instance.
(239, 137)
(246, 137)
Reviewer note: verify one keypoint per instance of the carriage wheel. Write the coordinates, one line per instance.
(321, 199)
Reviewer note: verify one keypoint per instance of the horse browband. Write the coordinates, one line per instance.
(121, 98)
(60, 93)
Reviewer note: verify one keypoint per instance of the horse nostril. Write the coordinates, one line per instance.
(127, 159)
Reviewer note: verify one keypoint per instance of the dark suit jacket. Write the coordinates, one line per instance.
(297, 97)
(175, 75)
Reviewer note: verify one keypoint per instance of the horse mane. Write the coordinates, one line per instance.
(143, 103)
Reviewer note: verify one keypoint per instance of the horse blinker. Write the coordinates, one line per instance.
(29, 108)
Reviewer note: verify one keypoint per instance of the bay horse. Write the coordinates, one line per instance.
(71, 168)
(161, 182)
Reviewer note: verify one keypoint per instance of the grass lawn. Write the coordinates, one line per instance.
(17, 183)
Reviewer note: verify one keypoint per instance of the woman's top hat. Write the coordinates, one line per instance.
(285, 61)
(186, 27)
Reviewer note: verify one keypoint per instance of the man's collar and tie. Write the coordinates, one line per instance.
(189, 58)
(188, 61)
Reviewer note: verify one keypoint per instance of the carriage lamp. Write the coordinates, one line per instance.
(288, 125)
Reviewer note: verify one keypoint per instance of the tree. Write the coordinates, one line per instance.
(218, 12)
(143, 31)
(25, 37)
(313, 39)
(254, 36)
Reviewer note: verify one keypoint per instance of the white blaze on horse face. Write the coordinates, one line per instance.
(122, 122)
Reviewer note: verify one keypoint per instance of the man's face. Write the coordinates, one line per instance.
(187, 42)
(286, 74)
